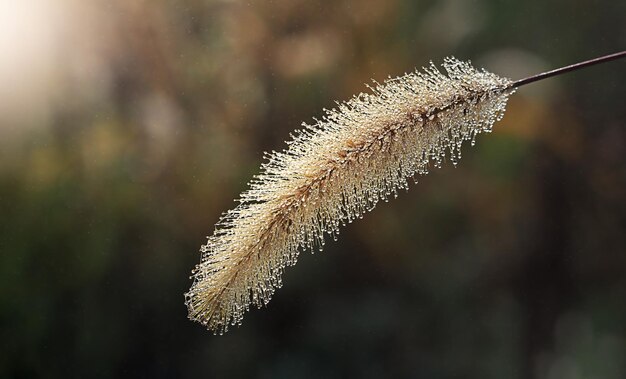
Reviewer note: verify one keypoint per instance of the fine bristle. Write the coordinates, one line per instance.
(333, 172)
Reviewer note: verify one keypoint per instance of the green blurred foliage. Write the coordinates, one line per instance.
(146, 119)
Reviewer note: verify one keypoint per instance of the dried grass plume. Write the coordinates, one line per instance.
(333, 172)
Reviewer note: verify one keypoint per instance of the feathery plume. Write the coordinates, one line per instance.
(337, 169)
(333, 172)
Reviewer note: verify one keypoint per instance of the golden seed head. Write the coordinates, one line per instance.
(332, 173)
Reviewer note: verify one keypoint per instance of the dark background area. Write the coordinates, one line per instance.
(128, 127)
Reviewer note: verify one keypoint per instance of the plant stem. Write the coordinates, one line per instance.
(563, 70)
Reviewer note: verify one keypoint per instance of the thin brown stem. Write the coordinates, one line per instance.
(563, 70)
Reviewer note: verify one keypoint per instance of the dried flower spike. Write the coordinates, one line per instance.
(334, 171)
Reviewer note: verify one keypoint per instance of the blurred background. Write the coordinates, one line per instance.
(127, 127)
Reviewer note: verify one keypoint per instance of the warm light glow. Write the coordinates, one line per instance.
(29, 36)
(44, 46)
